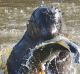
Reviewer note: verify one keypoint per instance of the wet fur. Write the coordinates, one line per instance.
(38, 30)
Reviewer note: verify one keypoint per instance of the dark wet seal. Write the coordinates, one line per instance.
(45, 23)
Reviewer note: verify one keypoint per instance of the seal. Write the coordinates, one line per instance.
(45, 23)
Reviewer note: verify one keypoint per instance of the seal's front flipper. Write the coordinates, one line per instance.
(75, 49)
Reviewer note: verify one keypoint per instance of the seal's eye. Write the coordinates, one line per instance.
(48, 13)
(45, 13)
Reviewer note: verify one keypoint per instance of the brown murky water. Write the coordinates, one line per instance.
(14, 16)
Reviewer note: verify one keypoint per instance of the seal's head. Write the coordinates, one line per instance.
(45, 22)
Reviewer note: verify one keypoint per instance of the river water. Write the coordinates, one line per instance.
(14, 16)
